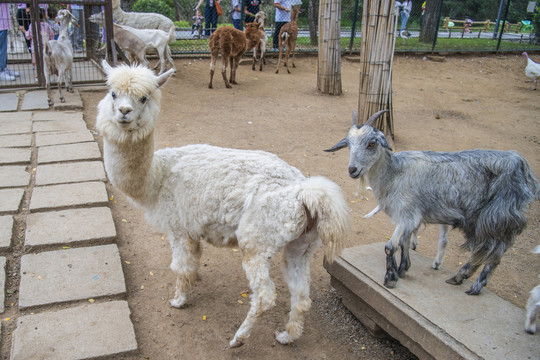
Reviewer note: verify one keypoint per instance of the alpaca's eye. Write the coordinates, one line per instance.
(143, 99)
(371, 144)
(113, 95)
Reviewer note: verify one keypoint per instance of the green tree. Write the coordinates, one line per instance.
(154, 6)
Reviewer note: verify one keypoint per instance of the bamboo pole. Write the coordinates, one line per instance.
(329, 62)
(379, 24)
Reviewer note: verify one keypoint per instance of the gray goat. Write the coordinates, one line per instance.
(482, 192)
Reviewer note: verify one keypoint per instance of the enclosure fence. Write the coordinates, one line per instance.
(497, 25)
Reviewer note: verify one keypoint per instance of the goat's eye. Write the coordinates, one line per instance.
(371, 144)
(143, 99)
(113, 95)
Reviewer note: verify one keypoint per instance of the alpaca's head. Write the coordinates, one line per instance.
(129, 111)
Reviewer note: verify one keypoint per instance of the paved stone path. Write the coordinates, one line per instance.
(57, 237)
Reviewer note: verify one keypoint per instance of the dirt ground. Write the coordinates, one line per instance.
(465, 102)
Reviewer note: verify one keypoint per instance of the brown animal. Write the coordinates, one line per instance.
(257, 37)
(232, 44)
(287, 37)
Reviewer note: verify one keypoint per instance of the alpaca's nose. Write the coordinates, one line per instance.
(124, 110)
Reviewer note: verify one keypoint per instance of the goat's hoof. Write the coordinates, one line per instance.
(473, 291)
(283, 338)
(62, 100)
(391, 279)
(435, 266)
(454, 281)
(530, 330)
(235, 343)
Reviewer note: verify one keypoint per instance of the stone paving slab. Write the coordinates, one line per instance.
(11, 199)
(15, 155)
(2, 283)
(69, 226)
(69, 152)
(81, 332)
(9, 102)
(59, 125)
(6, 231)
(64, 137)
(20, 140)
(35, 100)
(14, 176)
(67, 275)
(15, 127)
(433, 319)
(57, 115)
(73, 101)
(20, 116)
(65, 195)
(70, 172)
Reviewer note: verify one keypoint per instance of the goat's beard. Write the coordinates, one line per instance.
(362, 187)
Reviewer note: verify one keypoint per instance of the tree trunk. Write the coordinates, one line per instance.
(428, 32)
(312, 16)
(177, 10)
(329, 69)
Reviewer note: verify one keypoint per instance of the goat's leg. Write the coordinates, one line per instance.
(48, 86)
(262, 61)
(414, 238)
(401, 235)
(287, 53)
(69, 80)
(61, 77)
(168, 54)
(296, 270)
(443, 241)
(405, 262)
(186, 259)
(483, 278)
(280, 53)
(257, 267)
(293, 46)
(161, 54)
(464, 273)
(533, 305)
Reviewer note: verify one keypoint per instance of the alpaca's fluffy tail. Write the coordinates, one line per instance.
(172, 34)
(326, 204)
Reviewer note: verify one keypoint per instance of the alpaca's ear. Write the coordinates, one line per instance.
(106, 67)
(163, 78)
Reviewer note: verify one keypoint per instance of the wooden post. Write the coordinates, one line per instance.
(379, 26)
(329, 69)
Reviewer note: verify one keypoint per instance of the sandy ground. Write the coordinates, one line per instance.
(463, 103)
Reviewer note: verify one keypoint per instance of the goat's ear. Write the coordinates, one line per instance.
(106, 67)
(163, 78)
(340, 145)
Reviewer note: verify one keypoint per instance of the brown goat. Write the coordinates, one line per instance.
(255, 33)
(287, 37)
(232, 44)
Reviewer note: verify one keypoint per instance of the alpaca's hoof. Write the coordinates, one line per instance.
(210, 86)
(283, 337)
(235, 343)
(178, 303)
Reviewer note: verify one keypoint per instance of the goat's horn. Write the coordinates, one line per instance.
(374, 117)
(354, 118)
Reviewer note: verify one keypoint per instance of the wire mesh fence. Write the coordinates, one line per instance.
(458, 26)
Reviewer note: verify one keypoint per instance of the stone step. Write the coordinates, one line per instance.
(433, 319)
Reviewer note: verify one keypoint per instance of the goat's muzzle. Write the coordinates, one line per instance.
(354, 172)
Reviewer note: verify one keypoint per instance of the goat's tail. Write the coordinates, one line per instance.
(327, 206)
(172, 34)
(46, 46)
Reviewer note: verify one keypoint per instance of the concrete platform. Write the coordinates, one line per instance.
(69, 226)
(73, 274)
(83, 332)
(91, 193)
(433, 319)
(35, 100)
(70, 172)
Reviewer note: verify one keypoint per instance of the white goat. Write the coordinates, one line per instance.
(156, 39)
(132, 45)
(143, 20)
(58, 56)
(260, 18)
(533, 305)
(483, 192)
(249, 199)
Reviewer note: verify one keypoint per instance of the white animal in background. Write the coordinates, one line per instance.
(230, 198)
(58, 56)
(532, 69)
(533, 305)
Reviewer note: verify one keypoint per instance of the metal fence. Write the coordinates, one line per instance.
(496, 25)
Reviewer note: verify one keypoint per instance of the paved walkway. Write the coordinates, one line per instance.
(62, 288)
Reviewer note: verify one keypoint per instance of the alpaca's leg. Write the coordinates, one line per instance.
(224, 60)
(232, 64)
(256, 264)
(254, 57)
(186, 256)
(213, 59)
(296, 269)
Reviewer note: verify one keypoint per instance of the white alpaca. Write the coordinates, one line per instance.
(533, 305)
(249, 199)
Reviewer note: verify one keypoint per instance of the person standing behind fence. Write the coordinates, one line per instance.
(406, 7)
(45, 30)
(210, 16)
(237, 15)
(283, 16)
(251, 8)
(23, 19)
(5, 24)
(77, 37)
